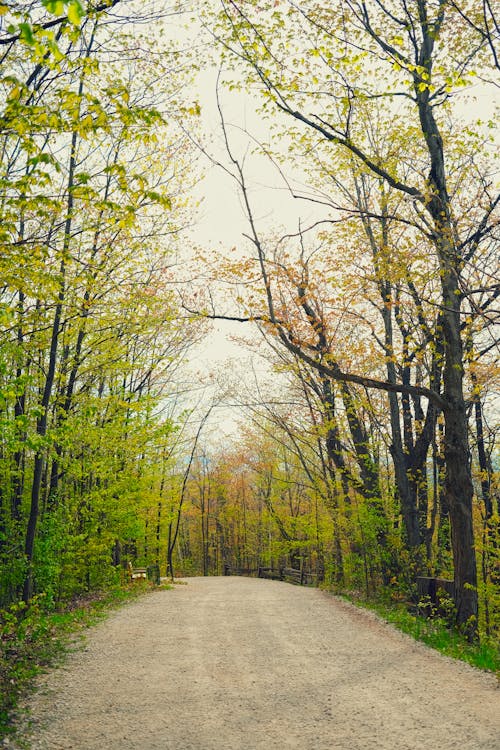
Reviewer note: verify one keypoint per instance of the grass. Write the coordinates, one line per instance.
(32, 639)
(436, 633)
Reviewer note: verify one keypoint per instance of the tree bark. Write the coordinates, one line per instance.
(458, 488)
(41, 426)
(41, 430)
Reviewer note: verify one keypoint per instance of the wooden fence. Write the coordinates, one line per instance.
(432, 592)
(300, 577)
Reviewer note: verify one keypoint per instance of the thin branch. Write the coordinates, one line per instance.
(59, 21)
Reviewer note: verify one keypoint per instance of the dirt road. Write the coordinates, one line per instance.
(247, 664)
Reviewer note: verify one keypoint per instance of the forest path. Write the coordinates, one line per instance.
(249, 664)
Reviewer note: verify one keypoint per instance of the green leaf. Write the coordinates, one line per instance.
(75, 12)
(56, 7)
(26, 33)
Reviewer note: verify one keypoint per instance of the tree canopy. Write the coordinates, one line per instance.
(369, 456)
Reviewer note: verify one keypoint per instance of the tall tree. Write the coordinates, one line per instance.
(323, 68)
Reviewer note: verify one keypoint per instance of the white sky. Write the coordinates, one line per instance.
(220, 226)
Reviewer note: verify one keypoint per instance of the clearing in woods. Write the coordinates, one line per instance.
(248, 664)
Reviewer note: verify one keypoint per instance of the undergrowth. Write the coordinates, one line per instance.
(33, 638)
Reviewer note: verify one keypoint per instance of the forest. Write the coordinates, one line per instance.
(363, 279)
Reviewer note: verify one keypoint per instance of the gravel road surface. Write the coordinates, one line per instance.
(247, 664)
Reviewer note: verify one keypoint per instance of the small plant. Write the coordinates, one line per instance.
(446, 607)
(426, 607)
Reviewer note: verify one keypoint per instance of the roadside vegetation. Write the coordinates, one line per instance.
(33, 639)
(437, 632)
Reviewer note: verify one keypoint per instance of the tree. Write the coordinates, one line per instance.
(323, 68)
(92, 199)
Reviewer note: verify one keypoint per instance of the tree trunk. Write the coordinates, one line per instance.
(41, 429)
(41, 426)
(458, 488)
(19, 410)
(484, 463)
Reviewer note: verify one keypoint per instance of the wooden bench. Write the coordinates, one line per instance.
(136, 574)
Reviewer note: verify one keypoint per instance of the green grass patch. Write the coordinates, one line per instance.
(32, 639)
(436, 633)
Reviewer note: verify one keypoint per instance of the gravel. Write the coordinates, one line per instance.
(248, 664)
